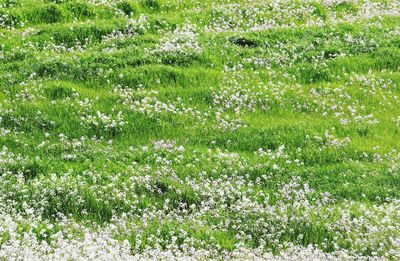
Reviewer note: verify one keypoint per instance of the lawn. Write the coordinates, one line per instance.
(199, 129)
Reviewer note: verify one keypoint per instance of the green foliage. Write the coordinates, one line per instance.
(201, 125)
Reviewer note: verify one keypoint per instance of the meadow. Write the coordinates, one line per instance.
(199, 130)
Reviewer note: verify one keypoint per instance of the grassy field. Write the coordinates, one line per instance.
(206, 129)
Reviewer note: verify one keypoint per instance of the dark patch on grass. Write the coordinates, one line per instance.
(245, 42)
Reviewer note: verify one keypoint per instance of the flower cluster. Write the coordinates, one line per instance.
(105, 122)
(180, 43)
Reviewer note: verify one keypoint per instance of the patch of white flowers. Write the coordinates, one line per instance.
(104, 121)
(183, 41)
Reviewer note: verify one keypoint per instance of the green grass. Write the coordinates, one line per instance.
(84, 86)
